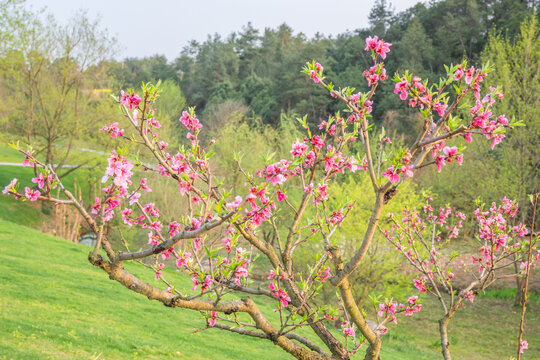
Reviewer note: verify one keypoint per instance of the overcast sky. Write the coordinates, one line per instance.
(145, 28)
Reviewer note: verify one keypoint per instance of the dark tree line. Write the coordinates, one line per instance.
(250, 66)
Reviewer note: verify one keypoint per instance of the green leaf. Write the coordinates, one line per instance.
(453, 123)
(121, 151)
(219, 206)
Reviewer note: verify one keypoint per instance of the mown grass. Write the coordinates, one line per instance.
(487, 329)
(31, 214)
(9, 154)
(20, 212)
(55, 305)
(508, 294)
(25, 174)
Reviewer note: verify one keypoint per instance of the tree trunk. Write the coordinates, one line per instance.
(373, 350)
(445, 343)
(49, 154)
(519, 287)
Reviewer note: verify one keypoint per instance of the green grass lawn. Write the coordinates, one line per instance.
(25, 212)
(487, 329)
(9, 154)
(25, 174)
(55, 305)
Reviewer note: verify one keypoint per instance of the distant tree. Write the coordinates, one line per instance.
(505, 16)
(222, 92)
(132, 71)
(517, 60)
(170, 105)
(248, 49)
(258, 94)
(415, 49)
(517, 63)
(205, 67)
(380, 16)
(55, 81)
(515, 167)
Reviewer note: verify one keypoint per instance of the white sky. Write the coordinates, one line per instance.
(145, 28)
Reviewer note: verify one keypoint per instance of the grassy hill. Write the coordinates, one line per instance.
(55, 305)
(26, 213)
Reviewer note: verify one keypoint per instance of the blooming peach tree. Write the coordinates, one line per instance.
(215, 241)
(422, 235)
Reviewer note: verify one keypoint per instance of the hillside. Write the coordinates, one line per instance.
(55, 305)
